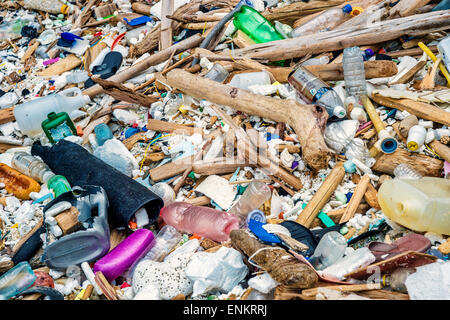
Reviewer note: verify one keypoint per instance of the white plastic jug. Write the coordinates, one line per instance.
(418, 204)
(30, 115)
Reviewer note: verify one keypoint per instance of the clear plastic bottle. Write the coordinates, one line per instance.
(354, 74)
(329, 250)
(50, 6)
(405, 171)
(396, 280)
(418, 204)
(316, 61)
(253, 197)
(166, 239)
(326, 21)
(11, 30)
(203, 221)
(361, 257)
(313, 89)
(16, 280)
(31, 166)
(30, 115)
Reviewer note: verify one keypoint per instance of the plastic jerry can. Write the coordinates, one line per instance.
(418, 204)
(58, 126)
(30, 115)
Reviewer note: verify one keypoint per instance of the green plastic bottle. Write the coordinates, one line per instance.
(253, 24)
(59, 184)
(58, 126)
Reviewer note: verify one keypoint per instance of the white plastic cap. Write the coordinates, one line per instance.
(339, 111)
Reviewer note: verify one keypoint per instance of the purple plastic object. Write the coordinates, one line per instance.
(118, 260)
(446, 170)
(50, 61)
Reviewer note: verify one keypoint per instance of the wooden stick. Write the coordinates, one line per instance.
(420, 109)
(219, 166)
(411, 52)
(141, 8)
(147, 63)
(322, 195)
(90, 127)
(418, 24)
(199, 201)
(407, 7)
(87, 294)
(357, 196)
(308, 121)
(170, 169)
(30, 50)
(442, 150)
(371, 194)
(105, 286)
(410, 74)
(426, 166)
(166, 24)
(171, 127)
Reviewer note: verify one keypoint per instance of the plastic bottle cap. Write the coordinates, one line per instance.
(369, 52)
(347, 8)
(257, 215)
(356, 11)
(339, 111)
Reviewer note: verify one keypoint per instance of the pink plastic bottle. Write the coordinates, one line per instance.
(203, 221)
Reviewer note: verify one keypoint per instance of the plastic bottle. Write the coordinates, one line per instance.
(17, 183)
(418, 204)
(361, 257)
(203, 221)
(416, 137)
(50, 6)
(329, 250)
(59, 185)
(327, 20)
(166, 239)
(217, 73)
(253, 24)
(16, 280)
(396, 280)
(58, 126)
(253, 197)
(31, 166)
(313, 89)
(405, 171)
(316, 61)
(354, 74)
(102, 133)
(30, 115)
(12, 30)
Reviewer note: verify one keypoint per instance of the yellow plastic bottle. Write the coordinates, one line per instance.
(17, 183)
(418, 204)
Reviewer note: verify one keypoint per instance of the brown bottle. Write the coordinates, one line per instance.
(17, 183)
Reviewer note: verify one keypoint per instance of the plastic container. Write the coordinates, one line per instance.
(418, 204)
(329, 250)
(59, 185)
(253, 197)
(354, 74)
(16, 280)
(361, 257)
(444, 48)
(396, 280)
(58, 126)
(326, 21)
(50, 6)
(245, 80)
(12, 30)
(314, 90)
(166, 239)
(217, 73)
(102, 133)
(253, 24)
(30, 115)
(416, 137)
(31, 166)
(17, 183)
(203, 221)
(119, 259)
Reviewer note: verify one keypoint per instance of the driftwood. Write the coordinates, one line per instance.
(123, 93)
(7, 115)
(68, 63)
(165, 126)
(165, 38)
(154, 59)
(407, 7)
(281, 266)
(308, 121)
(357, 196)
(425, 165)
(339, 39)
(442, 150)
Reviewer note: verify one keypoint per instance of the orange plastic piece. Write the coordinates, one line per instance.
(195, 236)
(132, 225)
(79, 131)
(17, 183)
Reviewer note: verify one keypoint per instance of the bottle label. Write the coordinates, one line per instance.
(319, 93)
(60, 132)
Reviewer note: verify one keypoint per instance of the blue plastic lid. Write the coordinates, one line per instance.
(256, 227)
(138, 21)
(70, 36)
(347, 8)
(389, 145)
(256, 215)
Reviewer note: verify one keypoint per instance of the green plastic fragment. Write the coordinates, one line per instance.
(326, 220)
(192, 175)
(343, 230)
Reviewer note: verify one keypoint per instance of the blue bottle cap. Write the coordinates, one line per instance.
(369, 52)
(138, 21)
(70, 36)
(257, 215)
(347, 8)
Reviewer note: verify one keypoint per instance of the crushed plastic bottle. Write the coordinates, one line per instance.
(326, 21)
(396, 280)
(361, 257)
(50, 6)
(314, 90)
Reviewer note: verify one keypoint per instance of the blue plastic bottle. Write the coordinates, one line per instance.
(16, 280)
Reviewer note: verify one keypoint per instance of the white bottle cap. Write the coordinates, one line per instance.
(339, 111)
